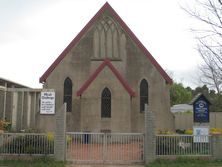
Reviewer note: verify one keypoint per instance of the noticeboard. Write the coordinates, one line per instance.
(201, 110)
(47, 104)
(200, 134)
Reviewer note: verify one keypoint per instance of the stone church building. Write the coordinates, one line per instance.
(106, 76)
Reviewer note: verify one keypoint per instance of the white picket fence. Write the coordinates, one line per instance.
(105, 147)
(183, 145)
(26, 144)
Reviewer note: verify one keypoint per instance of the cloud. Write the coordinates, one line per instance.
(36, 32)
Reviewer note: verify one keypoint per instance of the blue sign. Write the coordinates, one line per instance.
(201, 110)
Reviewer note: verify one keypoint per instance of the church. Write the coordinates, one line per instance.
(106, 76)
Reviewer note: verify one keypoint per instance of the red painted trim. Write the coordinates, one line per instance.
(106, 62)
(106, 6)
(72, 44)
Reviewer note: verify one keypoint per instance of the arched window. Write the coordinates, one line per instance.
(107, 39)
(143, 95)
(67, 98)
(106, 103)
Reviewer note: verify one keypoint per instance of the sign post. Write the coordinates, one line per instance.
(47, 105)
(200, 115)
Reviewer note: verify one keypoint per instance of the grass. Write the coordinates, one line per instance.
(180, 162)
(186, 162)
(42, 162)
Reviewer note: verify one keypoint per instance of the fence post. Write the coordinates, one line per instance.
(60, 134)
(217, 146)
(150, 138)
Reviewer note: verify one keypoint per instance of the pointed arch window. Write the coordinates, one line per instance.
(107, 39)
(67, 97)
(144, 99)
(106, 103)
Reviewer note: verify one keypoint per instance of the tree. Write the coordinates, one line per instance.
(179, 94)
(212, 96)
(209, 38)
(204, 90)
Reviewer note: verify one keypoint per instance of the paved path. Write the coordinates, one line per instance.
(101, 165)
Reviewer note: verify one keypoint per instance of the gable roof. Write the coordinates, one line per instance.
(105, 7)
(198, 96)
(107, 63)
(8, 83)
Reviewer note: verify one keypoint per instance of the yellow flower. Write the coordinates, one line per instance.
(189, 131)
(50, 136)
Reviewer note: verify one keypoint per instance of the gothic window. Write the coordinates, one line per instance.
(106, 103)
(143, 95)
(67, 98)
(107, 39)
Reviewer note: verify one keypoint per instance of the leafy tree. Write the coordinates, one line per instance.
(179, 94)
(204, 90)
(212, 96)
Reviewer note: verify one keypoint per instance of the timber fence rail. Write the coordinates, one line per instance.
(183, 145)
(105, 147)
(26, 144)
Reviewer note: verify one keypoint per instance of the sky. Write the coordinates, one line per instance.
(34, 33)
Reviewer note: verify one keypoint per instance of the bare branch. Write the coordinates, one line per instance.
(209, 40)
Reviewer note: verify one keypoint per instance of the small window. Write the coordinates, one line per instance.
(67, 98)
(143, 95)
(106, 103)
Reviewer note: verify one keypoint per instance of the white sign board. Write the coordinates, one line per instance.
(47, 105)
(201, 134)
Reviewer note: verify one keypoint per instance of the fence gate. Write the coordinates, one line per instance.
(118, 148)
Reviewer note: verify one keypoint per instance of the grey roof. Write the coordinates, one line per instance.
(197, 97)
(181, 108)
(10, 83)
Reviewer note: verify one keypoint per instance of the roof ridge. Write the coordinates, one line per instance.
(106, 6)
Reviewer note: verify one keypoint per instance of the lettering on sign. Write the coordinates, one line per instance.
(200, 134)
(201, 110)
(47, 105)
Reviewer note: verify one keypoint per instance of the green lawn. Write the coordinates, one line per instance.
(181, 162)
(43, 162)
(186, 162)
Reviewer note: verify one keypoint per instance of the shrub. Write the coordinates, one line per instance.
(165, 132)
(216, 131)
(5, 125)
(27, 144)
(188, 132)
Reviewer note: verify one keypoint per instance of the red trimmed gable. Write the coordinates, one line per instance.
(106, 62)
(106, 6)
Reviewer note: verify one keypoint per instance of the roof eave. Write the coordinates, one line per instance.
(86, 28)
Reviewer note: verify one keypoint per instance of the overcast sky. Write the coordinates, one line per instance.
(34, 32)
